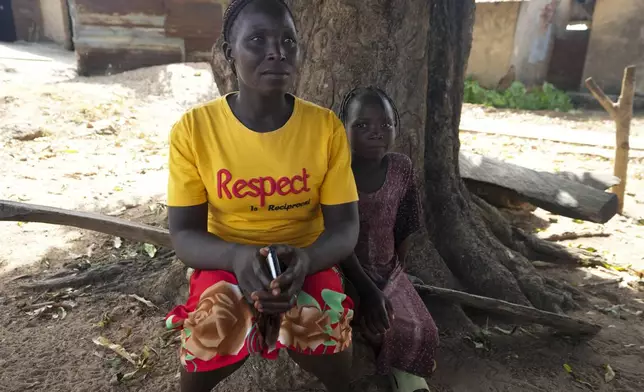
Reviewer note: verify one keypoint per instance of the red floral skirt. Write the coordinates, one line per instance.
(219, 326)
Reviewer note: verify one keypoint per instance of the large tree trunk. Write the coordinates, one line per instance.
(346, 43)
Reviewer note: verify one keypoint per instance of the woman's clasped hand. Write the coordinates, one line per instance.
(268, 295)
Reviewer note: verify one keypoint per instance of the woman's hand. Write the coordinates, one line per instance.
(249, 266)
(376, 311)
(286, 287)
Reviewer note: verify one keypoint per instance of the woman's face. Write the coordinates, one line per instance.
(371, 126)
(263, 47)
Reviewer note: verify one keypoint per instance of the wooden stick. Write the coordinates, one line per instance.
(14, 211)
(570, 235)
(622, 113)
(603, 283)
(601, 97)
(503, 308)
(22, 212)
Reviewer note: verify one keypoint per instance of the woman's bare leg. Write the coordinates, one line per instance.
(206, 381)
(334, 371)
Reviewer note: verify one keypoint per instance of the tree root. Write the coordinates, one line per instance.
(493, 259)
(533, 247)
(99, 274)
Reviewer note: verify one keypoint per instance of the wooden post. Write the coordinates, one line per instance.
(622, 113)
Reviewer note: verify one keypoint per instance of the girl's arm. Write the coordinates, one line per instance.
(403, 248)
(355, 273)
(375, 308)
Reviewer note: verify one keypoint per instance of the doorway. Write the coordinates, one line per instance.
(7, 27)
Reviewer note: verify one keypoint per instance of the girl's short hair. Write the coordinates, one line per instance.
(366, 91)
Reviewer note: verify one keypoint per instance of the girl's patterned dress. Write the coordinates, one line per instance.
(387, 217)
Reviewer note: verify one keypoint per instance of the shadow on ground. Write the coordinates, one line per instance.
(50, 352)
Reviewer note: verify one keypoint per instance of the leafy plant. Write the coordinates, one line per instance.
(517, 96)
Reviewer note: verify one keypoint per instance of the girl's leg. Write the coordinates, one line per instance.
(334, 371)
(405, 382)
(206, 381)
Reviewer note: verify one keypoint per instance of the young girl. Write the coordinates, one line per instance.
(394, 317)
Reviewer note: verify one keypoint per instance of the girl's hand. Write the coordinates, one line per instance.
(376, 311)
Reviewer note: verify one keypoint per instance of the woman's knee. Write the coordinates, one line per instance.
(331, 369)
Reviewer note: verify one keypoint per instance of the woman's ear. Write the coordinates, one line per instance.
(228, 54)
(227, 49)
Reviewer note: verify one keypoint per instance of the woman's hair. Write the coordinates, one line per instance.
(235, 8)
(366, 91)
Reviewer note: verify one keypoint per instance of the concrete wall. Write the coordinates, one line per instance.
(493, 41)
(54, 19)
(616, 41)
(42, 20)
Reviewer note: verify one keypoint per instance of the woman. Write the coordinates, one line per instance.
(255, 168)
(394, 316)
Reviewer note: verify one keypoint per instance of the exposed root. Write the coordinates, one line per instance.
(514, 250)
(99, 274)
(533, 247)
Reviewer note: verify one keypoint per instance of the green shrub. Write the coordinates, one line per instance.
(518, 97)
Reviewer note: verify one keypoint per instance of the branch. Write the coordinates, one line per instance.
(628, 89)
(569, 235)
(503, 308)
(599, 94)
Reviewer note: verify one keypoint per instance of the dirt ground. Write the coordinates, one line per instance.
(99, 144)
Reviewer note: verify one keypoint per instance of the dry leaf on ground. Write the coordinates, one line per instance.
(610, 373)
(117, 348)
(143, 300)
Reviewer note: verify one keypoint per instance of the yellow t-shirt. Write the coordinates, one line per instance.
(261, 188)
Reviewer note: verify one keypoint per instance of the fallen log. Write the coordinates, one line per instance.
(545, 190)
(508, 198)
(601, 181)
(498, 196)
(15, 211)
(503, 308)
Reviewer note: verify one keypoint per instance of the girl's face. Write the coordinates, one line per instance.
(263, 47)
(371, 126)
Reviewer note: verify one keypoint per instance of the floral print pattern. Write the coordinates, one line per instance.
(220, 323)
(219, 327)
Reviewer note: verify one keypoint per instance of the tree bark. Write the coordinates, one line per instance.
(417, 51)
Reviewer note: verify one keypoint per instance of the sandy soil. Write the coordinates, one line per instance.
(86, 143)
(99, 144)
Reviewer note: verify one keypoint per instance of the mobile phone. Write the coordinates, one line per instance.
(273, 262)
